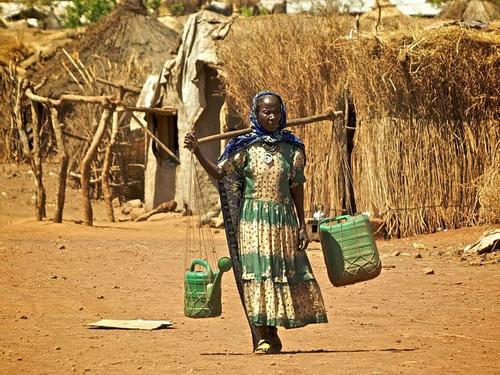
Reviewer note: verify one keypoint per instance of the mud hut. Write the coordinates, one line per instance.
(471, 11)
(128, 35)
(421, 113)
(123, 48)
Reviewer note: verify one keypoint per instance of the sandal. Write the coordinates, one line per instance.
(263, 347)
(274, 341)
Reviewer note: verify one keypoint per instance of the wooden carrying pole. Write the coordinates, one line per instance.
(331, 115)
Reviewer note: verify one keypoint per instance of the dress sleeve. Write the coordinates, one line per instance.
(234, 163)
(298, 163)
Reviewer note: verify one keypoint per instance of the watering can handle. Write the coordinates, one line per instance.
(335, 219)
(203, 263)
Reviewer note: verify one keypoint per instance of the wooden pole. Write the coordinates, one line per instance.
(158, 111)
(103, 100)
(150, 133)
(85, 166)
(108, 198)
(134, 90)
(63, 166)
(36, 165)
(296, 122)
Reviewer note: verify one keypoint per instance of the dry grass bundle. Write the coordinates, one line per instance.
(428, 109)
(489, 188)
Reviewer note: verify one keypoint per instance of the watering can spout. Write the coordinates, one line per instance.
(213, 289)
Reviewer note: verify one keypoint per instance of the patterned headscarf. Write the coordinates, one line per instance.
(259, 133)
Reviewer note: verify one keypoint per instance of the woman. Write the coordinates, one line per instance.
(261, 178)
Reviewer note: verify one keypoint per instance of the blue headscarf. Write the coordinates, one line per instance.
(259, 133)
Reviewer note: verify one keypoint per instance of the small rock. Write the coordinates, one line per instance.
(61, 247)
(139, 367)
(418, 256)
(100, 297)
(53, 277)
(158, 217)
(116, 202)
(396, 253)
(388, 266)
(80, 309)
(57, 348)
(24, 317)
(428, 271)
(419, 246)
(19, 359)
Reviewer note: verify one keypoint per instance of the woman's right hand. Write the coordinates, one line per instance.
(191, 141)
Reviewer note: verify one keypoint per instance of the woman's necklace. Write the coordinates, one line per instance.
(271, 149)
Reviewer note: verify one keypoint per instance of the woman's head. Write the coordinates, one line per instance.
(268, 112)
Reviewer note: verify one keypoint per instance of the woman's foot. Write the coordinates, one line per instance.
(274, 340)
(263, 347)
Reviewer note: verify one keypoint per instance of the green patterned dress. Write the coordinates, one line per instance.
(278, 283)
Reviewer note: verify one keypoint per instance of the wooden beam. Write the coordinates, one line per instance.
(158, 111)
(135, 90)
(331, 115)
(104, 100)
(150, 133)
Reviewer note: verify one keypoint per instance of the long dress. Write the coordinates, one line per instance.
(278, 283)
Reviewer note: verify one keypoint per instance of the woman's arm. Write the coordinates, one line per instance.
(191, 143)
(298, 199)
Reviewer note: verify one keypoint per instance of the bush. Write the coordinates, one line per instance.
(87, 11)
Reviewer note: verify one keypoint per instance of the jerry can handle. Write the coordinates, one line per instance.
(203, 263)
(333, 220)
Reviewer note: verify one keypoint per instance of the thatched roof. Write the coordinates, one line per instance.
(475, 10)
(126, 33)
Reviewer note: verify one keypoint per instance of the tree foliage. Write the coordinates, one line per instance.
(87, 11)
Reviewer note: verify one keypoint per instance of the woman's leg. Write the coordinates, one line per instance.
(274, 339)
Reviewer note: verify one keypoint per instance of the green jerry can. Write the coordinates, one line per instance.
(202, 289)
(349, 249)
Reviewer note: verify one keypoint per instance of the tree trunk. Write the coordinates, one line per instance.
(106, 166)
(63, 168)
(85, 167)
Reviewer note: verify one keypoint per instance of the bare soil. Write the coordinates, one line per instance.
(56, 278)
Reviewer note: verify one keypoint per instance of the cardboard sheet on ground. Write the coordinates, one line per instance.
(131, 324)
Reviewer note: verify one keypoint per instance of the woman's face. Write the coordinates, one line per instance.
(269, 113)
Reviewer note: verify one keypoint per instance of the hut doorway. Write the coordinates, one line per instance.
(209, 122)
(348, 199)
(160, 167)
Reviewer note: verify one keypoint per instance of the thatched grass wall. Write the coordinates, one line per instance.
(426, 104)
(428, 109)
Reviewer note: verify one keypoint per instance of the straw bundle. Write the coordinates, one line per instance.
(489, 188)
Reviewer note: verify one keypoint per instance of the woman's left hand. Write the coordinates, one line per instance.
(303, 239)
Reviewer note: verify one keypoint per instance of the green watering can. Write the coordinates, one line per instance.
(202, 289)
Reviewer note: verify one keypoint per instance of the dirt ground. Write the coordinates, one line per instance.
(56, 278)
